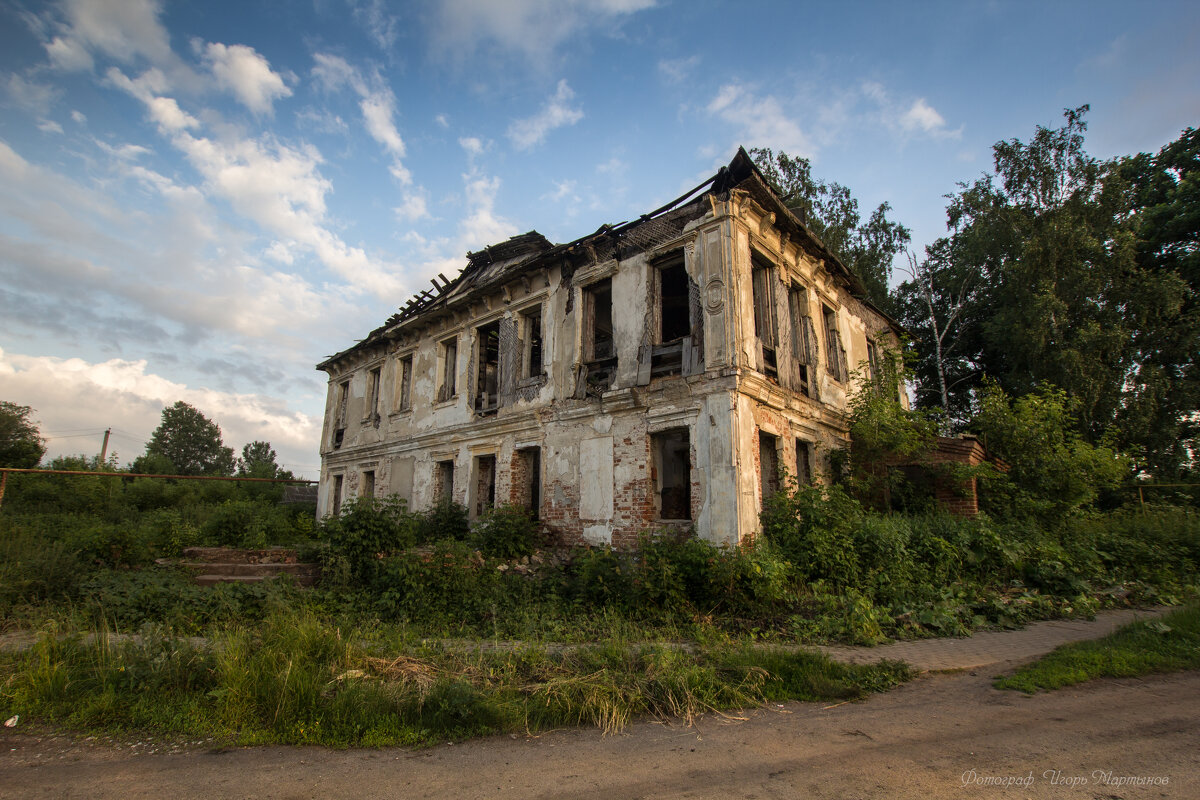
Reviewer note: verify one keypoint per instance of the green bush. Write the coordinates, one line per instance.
(367, 530)
(506, 532)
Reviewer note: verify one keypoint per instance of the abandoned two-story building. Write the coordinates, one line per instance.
(656, 373)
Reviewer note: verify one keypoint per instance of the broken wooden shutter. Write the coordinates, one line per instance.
(693, 345)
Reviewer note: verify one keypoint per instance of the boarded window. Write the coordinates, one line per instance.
(448, 366)
(532, 365)
(485, 484)
(336, 499)
(368, 484)
(803, 462)
(765, 325)
(443, 482)
(768, 464)
(527, 480)
(671, 451)
(487, 382)
(404, 390)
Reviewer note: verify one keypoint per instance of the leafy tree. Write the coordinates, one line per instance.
(21, 444)
(258, 461)
(831, 212)
(883, 433)
(1052, 471)
(1159, 421)
(191, 442)
(1076, 273)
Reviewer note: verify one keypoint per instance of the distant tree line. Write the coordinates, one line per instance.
(185, 443)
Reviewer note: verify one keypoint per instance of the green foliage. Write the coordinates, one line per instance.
(258, 461)
(367, 530)
(831, 212)
(506, 532)
(1063, 269)
(813, 528)
(1169, 644)
(190, 442)
(1052, 471)
(21, 443)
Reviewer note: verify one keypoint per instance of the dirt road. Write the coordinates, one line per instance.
(941, 736)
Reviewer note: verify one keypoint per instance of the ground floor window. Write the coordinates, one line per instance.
(527, 480)
(485, 484)
(768, 464)
(368, 484)
(337, 495)
(672, 463)
(803, 463)
(443, 482)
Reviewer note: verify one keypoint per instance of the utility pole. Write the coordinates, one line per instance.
(104, 447)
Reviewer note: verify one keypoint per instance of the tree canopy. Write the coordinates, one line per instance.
(190, 444)
(258, 461)
(831, 212)
(1071, 272)
(21, 443)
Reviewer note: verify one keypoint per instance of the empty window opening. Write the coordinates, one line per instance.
(337, 495)
(768, 464)
(404, 399)
(765, 326)
(600, 352)
(804, 338)
(527, 480)
(672, 464)
(488, 375)
(674, 320)
(803, 463)
(339, 423)
(371, 411)
(835, 356)
(368, 484)
(448, 368)
(531, 358)
(485, 484)
(443, 482)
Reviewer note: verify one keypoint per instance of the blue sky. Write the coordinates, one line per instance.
(201, 200)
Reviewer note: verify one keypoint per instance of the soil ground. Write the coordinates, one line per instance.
(945, 735)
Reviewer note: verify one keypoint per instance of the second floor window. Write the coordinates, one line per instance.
(835, 355)
(448, 369)
(404, 369)
(765, 325)
(487, 385)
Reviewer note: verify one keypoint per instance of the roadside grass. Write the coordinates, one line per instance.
(295, 678)
(1169, 644)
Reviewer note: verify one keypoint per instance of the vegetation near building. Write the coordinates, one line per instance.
(186, 443)
(21, 444)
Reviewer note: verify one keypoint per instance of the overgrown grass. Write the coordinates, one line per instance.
(298, 679)
(1169, 644)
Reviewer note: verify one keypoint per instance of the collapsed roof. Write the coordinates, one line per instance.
(525, 254)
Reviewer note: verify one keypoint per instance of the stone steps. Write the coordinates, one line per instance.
(214, 565)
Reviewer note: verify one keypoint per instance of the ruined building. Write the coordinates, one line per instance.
(654, 373)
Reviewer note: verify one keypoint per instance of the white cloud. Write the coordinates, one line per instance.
(917, 118)
(760, 121)
(49, 126)
(675, 70)
(482, 226)
(441, 120)
(35, 98)
(246, 74)
(382, 27)
(534, 29)
(472, 145)
(412, 208)
(124, 395)
(556, 113)
(377, 104)
(79, 117)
